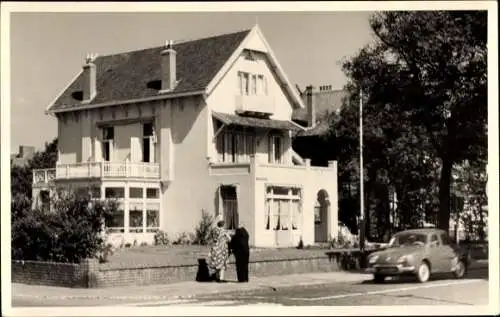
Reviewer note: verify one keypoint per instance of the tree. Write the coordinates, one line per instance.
(429, 70)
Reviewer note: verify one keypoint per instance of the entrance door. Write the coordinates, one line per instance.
(321, 209)
(282, 228)
(230, 207)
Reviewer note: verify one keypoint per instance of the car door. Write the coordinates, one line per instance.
(434, 254)
(448, 253)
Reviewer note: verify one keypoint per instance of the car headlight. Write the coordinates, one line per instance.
(405, 259)
(373, 259)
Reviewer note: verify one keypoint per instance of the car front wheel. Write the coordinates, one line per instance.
(377, 278)
(423, 272)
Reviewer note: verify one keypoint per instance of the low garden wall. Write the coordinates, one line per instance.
(91, 274)
(55, 274)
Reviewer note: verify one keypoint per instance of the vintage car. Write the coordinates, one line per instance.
(418, 252)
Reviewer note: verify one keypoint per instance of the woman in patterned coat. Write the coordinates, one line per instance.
(219, 251)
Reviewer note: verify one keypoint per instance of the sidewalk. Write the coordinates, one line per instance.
(183, 290)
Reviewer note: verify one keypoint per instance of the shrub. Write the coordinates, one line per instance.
(161, 238)
(107, 251)
(73, 231)
(345, 240)
(203, 232)
(183, 238)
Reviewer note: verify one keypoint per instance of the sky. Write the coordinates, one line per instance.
(48, 50)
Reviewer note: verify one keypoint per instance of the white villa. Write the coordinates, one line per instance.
(197, 125)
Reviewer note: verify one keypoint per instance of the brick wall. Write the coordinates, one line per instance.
(90, 274)
(54, 274)
(148, 275)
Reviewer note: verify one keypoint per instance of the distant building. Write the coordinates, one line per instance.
(24, 155)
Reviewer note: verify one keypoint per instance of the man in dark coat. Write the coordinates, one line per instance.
(241, 250)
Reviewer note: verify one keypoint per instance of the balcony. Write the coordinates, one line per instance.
(255, 104)
(97, 170)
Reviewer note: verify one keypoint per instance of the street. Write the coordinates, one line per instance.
(472, 290)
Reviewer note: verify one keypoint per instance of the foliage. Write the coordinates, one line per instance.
(469, 188)
(184, 238)
(204, 229)
(73, 231)
(424, 110)
(344, 240)
(161, 238)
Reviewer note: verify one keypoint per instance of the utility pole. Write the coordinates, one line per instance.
(361, 174)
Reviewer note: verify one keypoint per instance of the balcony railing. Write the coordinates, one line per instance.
(255, 103)
(97, 170)
(108, 169)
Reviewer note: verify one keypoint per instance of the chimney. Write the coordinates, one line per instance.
(310, 102)
(89, 79)
(168, 67)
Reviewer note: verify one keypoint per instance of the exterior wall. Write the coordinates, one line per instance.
(222, 99)
(79, 134)
(186, 195)
(311, 180)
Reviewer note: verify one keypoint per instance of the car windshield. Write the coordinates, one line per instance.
(407, 239)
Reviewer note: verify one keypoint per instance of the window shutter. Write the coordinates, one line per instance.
(151, 150)
(135, 149)
(97, 149)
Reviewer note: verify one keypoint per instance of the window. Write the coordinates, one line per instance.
(434, 240)
(244, 83)
(152, 193)
(152, 220)
(275, 149)
(282, 208)
(108, 135)
(116, 221)
(135, 220)
(135, 192)
(148, 142)
(235, 147)
(261, 85)
(254, 84)
(114, 192)
(251, 84)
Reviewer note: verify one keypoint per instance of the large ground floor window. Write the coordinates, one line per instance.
(283, 208)
(139, 208)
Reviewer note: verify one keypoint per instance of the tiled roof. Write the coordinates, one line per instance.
(325, 103)
(231, 119)
(126, 76)
(320, 129)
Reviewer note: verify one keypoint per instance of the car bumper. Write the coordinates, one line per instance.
(395, 269)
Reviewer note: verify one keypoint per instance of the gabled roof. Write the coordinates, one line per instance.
(126, 76)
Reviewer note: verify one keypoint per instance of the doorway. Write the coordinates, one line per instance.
(321, 216)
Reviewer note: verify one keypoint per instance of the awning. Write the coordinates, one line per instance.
(231, 119)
